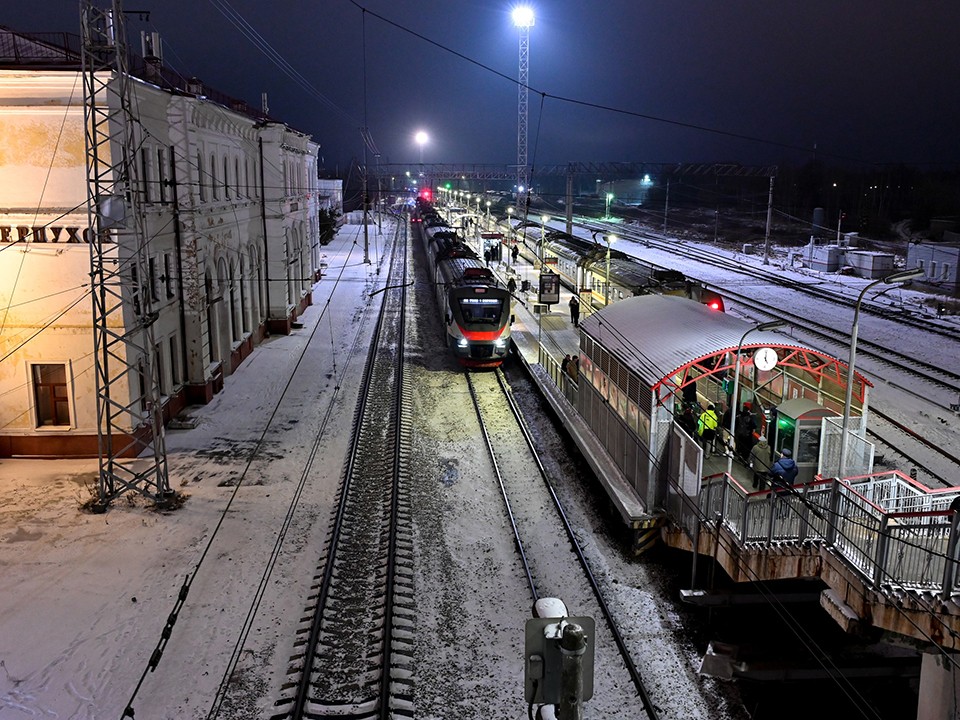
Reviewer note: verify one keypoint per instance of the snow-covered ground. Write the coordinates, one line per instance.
(85, 598)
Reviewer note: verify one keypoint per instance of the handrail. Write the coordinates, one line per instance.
(909, 543)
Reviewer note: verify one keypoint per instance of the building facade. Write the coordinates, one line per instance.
(939, 261)
(229, 202)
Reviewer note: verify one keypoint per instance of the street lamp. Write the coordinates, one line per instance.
(897, 277)
(772, 325)
(510, 234)
(421, 139)
(609, 198)
(543, 222)
(606, 289)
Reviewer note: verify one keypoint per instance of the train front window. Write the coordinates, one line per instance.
(477, 311)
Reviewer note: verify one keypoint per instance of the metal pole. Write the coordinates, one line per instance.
(573, 644)
(666, 208)
(606, 287)
(897, 277)
(851, 379)
(766, 238)
(733, 399)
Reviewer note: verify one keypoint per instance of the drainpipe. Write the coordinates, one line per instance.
(266, 245)
(178, 245)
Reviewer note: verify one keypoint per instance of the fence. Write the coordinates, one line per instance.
(892, 530)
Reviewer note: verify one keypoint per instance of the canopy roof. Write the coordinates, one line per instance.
(661, 337)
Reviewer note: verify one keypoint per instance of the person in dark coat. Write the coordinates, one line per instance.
(511, 286)
(564, 363)
(687, 421)
(574, 310)
(514, 252)
(743, 429)
(784, 470)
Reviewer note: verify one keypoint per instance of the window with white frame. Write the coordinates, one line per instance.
(51, 396)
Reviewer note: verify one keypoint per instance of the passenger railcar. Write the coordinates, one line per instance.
(582, 266)
(474, 306)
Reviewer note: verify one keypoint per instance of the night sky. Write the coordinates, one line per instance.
(865, 81)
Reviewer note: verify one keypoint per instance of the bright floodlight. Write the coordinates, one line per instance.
(421, 137)
(523, 16)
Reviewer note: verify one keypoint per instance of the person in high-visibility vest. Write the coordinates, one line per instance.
(707, 429)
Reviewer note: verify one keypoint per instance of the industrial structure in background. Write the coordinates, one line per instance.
(202, 239)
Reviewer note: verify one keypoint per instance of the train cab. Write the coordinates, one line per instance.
(478, 319)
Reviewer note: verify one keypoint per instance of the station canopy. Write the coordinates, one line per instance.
(662, 338)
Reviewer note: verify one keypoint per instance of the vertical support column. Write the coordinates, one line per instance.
(939, 688)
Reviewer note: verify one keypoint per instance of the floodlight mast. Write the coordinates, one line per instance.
(523, 18)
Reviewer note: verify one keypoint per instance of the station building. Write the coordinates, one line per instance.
(229, 198)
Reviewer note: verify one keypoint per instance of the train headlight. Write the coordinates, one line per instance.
(462, 343)
(499, 344)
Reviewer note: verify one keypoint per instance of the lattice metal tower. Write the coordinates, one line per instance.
(130, 432)
(523, 18)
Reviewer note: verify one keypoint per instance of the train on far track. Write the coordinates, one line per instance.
(474, 306)
(582, 267)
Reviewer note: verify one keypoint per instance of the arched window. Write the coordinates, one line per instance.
(226, 178)
(213, 176)
(201, 186)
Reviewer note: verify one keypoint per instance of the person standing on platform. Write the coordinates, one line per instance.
(574, 311)
(687, 421)
(784, 470)
(761, 457)
(513, 253)
(782, 475)
(573, 369)
(511, 286)
(743, 428)
(565, 363)
(707, 429)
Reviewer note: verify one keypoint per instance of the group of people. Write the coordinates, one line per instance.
(749, 445)
(570, 366)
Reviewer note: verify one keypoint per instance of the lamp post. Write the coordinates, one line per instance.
(772, 325)
(543, 229)
(897, 277)
(488, 214)
(606, 287)
(607, 211)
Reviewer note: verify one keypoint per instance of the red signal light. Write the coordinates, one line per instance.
(426, 194)
(715, 305)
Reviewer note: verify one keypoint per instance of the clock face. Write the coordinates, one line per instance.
(765, 358)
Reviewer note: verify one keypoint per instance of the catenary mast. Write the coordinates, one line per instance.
(130, 433)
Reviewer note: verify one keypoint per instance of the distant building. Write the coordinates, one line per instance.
(939, 261)
(230, 199)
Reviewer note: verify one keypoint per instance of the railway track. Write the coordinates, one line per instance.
(537, 519)
(813, 289)
(353, 646)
